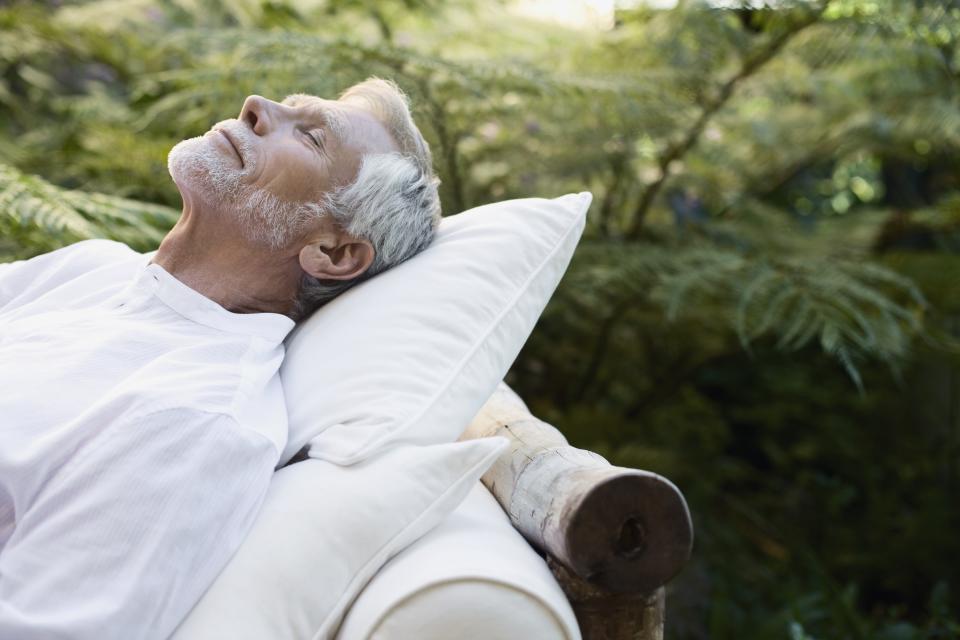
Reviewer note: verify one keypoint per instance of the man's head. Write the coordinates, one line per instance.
(346, 184)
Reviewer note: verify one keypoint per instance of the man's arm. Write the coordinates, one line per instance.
(26, 280)
(123, 541)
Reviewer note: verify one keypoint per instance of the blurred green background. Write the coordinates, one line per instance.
(765, 305)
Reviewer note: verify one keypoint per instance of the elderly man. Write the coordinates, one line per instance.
(141, 412)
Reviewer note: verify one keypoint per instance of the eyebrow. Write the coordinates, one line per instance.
(333, 120)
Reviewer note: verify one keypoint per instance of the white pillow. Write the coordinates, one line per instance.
(412, 354)
(322, 533)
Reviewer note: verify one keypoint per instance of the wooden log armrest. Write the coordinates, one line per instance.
(612, 536)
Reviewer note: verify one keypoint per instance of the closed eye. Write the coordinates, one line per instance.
(317, 138)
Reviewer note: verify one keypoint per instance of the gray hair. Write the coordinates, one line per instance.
(393, 203)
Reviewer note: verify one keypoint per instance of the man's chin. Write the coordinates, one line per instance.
(194, 169)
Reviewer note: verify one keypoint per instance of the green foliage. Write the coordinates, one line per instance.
(763, 306)
(36, 216)
(851, 309)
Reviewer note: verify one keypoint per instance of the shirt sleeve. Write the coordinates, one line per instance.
(124, 539)
(26, 280)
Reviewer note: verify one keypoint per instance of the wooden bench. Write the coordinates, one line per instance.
(612, 536)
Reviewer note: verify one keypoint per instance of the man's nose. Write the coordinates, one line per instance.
(259, 113)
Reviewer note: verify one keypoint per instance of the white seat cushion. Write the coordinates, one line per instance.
(472, 577)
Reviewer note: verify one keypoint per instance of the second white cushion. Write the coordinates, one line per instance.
(324, 530)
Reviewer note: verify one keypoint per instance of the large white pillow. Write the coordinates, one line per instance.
(322, 533)
(412, 354)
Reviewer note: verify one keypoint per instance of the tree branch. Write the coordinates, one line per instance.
(676, 151)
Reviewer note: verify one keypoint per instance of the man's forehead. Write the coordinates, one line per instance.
(296, 99)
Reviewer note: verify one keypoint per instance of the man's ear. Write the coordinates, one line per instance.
(336, 257)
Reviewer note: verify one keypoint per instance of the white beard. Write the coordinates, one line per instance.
(264, 218)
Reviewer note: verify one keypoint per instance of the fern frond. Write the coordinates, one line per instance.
(29, 204)
(852, 309)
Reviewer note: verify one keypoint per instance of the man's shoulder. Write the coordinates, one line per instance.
(27, 280)
(94, 252)
(73, 259)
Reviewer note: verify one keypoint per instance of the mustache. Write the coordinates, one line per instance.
(240, 137)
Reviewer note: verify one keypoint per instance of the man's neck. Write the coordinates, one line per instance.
(214, 259)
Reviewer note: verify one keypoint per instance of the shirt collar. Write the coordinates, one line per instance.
(193, 305)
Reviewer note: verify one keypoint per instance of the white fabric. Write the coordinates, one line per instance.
(324, 530)
(140, 423)
(470, 609)
(473, 577)
(123, 542)
(421, 347)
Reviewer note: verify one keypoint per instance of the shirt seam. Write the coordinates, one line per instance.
(64, 473)
(230, 415)
(242, 390)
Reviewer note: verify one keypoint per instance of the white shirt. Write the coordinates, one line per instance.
(140, 423)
